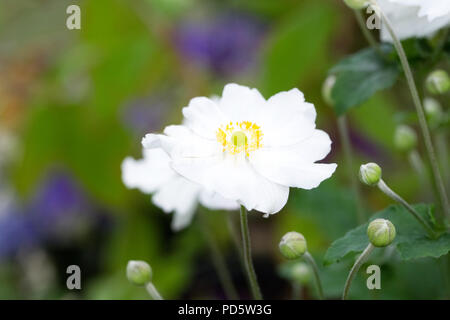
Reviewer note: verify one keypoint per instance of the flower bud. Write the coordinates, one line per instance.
(381, 232)
(139, 272)
(405, 138)
(327, 88)
(301, 273)
(370, 173)
(433, 111)
(292, 245)
(356, 4)
(438, 82)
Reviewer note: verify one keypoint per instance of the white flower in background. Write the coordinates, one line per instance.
(415, 18)
(248, 149)
(171, 192)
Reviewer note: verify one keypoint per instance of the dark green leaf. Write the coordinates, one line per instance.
(411, 241)
(359, 76)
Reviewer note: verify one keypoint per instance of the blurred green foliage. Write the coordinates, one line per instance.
(68, 114)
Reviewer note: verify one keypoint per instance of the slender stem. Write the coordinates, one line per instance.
(235, 237)
(442, 150)
(347, 148)
(390, 193)
(417, 164)
(219, 261)
(254, 286)
(151, 289)
(369, 37)
(308, 257)
(296, 291)
(358, 263)
(437, 178)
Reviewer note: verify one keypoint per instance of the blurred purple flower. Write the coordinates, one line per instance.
(145, 114)
(226, 45)
(16, 232)
(58, 210)
(57, 200)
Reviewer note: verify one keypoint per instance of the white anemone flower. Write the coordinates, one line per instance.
(248, 149)
(171, 192)
(415, 18)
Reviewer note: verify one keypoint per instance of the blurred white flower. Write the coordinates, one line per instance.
(171, 192)
(248, 149)
(415, 18)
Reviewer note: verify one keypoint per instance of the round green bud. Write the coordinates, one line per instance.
(356, 4)
(370, 173)
(292, 245)
(301, 273)
(405, 138)
(433, 111)
(381, 232)
(327, 88)
(438, 82)
(139, 272)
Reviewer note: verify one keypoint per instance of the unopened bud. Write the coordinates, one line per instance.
(356, 4)
(292, 245)
(370, 173)
(405, 138)
(301, 273)
(381, 232)
(139, 272)
(438, 82)
(327, 88)
(433, 111)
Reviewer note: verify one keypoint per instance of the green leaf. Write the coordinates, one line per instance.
(411, 241)
(361, 75)
(424, 247)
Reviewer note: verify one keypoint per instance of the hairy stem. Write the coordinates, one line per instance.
(390, 193)
(151, 289)
(437, 178)
(309, 258)
(358, 263)
(254, 286)
(347, 148)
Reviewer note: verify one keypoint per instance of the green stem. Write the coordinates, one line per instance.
(390, 193)
(235, 237)
(442, 150)
(296, 291)
(358, 263)
(437, 178)
(347, 148)
(309, 258)
(417, 164)
(254, 286)
(151, 289)
(219, 262)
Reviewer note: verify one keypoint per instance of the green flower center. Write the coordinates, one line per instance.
(239, 138)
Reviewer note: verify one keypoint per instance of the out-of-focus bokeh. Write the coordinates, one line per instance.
(75, 103)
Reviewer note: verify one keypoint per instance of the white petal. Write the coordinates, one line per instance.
(215, 201)
(287, 119)
(234, 179)
(240, 103)
(204, 117)
(180, 196)
(294, 165)
(172, 135)
(414, 19)
(149, 173)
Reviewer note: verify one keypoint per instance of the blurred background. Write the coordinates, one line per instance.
(75, 103)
